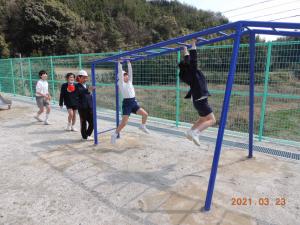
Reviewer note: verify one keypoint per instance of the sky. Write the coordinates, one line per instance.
(255, 10)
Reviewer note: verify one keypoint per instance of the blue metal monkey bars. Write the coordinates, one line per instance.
(209, 36)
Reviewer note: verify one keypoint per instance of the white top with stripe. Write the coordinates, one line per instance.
(126, 88)
(42, 87)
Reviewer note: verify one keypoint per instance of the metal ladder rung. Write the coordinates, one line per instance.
(137, 55)
(223, 33)
(201, 39)
(181, 43)
(167, 48)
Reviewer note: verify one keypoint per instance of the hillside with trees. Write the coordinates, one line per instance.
(56, 27)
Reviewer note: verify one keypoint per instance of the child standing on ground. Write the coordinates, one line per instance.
(42, 97)
(129, 104)
(192, 76)
(85, 105)
(69, 97)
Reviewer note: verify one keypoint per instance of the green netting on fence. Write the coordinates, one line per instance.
(277, 85)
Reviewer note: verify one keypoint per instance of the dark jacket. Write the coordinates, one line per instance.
(193, 77)
(85, 98)
(69, 99)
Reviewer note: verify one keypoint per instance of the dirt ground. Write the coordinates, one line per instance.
(48, 176)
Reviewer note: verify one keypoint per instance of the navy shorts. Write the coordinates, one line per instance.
(129, 106)
(202, 107)
(72, 107)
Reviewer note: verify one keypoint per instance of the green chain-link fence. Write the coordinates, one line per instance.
(277, 85)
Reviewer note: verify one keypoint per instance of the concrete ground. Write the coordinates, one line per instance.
(48, 176)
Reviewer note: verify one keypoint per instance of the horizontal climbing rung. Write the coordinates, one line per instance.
(137, 55)
(181, 43)
(167, 48)
(223, 33)
(201, 39)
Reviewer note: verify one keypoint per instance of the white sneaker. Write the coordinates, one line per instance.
(38, 118)
(195, 137)
(113, 138)
(73, 129)
(189, 135)
(89, 138)
(83, 139)
(47, 122)
(144, 129)
(68, 128)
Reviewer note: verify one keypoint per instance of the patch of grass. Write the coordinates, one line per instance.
(283, 124)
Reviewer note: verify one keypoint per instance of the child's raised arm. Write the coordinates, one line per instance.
(193, 53)
(120, 72)
(130, 76)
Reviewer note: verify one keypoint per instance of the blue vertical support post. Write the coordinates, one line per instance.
(117, 97)
(251, 92)
(223, 119)
(94, 106)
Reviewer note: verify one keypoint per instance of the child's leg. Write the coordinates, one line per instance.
(144, 115)
(70, 116)
(37, 116)
(74, 117)
(90, 120)
(48, 109)
(119, 128)
(123, 123)
(204, 122)
(41, 110)
(82, 114)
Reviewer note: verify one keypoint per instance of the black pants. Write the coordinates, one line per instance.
(86, 115)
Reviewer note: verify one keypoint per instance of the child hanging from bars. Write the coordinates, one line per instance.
(129, 105)
(192, 76)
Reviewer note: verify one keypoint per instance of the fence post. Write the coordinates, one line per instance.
(177, 92)
(80, 61)
(30, 77)
(12, 76)
(52, 79)
(265, 95)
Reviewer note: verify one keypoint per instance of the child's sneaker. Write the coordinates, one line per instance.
(68, 128)
(144, 129)
(189, 135)
(195, 137)
(38, 118)
(73, 129)
(47, 122)
(113, 138)
(89, 138)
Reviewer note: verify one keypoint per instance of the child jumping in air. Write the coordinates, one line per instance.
(192, 76)
(129, 104)
(69, 97)
(42, 97)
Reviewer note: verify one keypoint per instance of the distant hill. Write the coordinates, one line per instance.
(44, 27)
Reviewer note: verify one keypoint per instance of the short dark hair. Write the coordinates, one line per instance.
(70, 74)
(42, 72)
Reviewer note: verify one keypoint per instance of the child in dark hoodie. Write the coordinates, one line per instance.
(192, 76)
